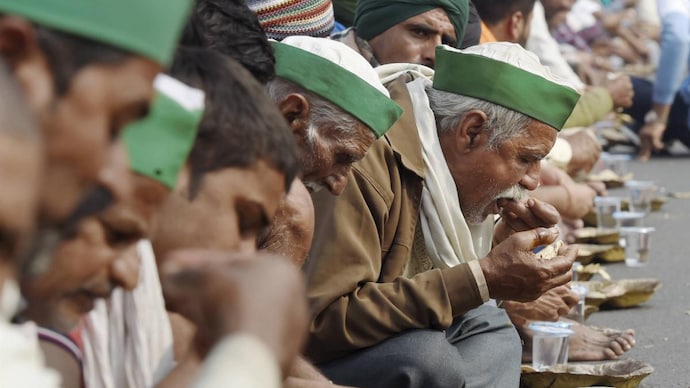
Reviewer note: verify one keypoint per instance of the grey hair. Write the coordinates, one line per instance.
(323, 113)
(503, 123)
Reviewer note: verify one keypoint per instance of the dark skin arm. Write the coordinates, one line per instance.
(552, 305)
(226, 294)
(518, 216)
(513, 272)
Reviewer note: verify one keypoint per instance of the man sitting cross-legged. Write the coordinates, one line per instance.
(509, 21)
(403, 262)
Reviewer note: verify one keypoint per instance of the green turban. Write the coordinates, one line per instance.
(376, 16)
(158, 145)
(150, 28)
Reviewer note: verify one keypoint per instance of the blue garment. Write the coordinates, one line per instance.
(675, 50)
(678, 127)
(338, 27)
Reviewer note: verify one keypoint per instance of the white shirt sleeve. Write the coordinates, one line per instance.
(239, 360)
(21, 359)
(546, 48)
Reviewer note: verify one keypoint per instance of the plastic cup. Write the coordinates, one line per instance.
(636, 241)
(576, 270)
(605, 208)
(549, 344)
(641, 193)
(578, 311)
(615, 163)
(629, 219)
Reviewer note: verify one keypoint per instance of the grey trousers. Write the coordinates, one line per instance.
(480, 349)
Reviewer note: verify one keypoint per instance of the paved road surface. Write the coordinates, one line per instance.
(663, 323)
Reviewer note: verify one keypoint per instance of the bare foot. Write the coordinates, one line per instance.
(589, 343)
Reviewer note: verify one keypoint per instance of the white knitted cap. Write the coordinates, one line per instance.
(341, 55)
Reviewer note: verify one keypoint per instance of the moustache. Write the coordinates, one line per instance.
(516, 192)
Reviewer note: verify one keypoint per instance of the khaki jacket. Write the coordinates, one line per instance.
(362, 246)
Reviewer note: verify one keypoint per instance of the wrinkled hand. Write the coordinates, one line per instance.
(513, 272)
(651, 139)
(552, 305)
(586, 151)
(263, 297)
(518, 216)
(621, 91)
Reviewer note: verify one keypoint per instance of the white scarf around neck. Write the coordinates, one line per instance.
(127, 339)
(449, 239)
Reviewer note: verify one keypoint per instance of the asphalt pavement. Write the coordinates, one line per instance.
(662, 324)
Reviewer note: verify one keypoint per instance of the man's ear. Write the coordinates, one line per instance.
(19, 48)
(296, 110)
(469, 133)
(17, 39)
(516, 24)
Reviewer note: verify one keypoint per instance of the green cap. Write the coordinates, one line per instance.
(158, 145)
(359, 93)
(374, 17)
(150, 28)
(532, 93)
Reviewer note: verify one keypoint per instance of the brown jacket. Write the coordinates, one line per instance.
(361, 248)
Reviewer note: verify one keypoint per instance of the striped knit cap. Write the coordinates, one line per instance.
(283, 18)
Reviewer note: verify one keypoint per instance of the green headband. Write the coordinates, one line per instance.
(337, 85)
(504, 84)
(150, 28)
(373, 17)
(159, 144)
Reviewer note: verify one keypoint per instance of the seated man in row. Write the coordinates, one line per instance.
(21, 361)
(510, 22)
(228, 191)
(331, 130)
(206, 182)
(405, 31)
(403, 262)
(336, 107)
(73, 74)
(83, 82)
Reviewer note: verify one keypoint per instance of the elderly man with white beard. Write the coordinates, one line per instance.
(405, 260)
